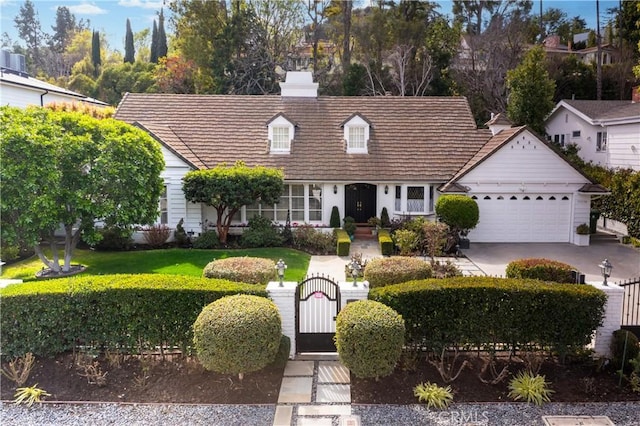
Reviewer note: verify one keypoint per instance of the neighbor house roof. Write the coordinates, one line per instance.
(411, 138)
(595, 112)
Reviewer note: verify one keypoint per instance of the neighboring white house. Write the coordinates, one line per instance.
(363, 154)
(607, 132)
(18, 89)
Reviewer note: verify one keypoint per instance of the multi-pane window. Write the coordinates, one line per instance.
(601, 141)
(415, 199)
(558, 139)
(398, 205)
(297, 203)
(164, 207)
(575, 134)
(356, 138)
(280, 141)
(257, 209)
(292, 201)
(315, 203)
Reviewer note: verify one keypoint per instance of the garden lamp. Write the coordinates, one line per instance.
(355, 271)
(281, 266)
(605, 269)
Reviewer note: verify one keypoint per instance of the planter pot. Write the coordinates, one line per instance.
(581, 239)
(463, 243)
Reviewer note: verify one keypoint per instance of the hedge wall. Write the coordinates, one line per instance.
(385, 242)
(108, 311)
(343, 242)
(484, 311)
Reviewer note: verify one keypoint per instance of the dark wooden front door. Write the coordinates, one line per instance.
(360, 201)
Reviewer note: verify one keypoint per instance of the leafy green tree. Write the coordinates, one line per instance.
(69, 170)
(117, 79)
(96, 60)
(530, 91)
(28, 25)
(129, 48)
(460, 212)
(228, 188)
(154, 44)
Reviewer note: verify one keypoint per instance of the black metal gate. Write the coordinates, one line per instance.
(317, 305)
(360, 201)
(631, 306)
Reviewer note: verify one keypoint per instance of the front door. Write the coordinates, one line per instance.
(360, 201)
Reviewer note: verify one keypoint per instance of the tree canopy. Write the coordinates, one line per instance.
(228, 188)
(68, 170)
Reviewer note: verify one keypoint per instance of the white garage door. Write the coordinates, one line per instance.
(522, 218)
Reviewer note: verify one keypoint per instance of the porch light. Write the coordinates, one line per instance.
(335, 189)
(355, 271)
(386, 189)
(605, 270)
(280, 267)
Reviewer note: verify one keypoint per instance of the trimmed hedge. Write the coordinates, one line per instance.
(108, 311)
(483, 311)
(541, 269)
(369, 338)
(251, 270)
(237, 334)
(343, 242)
(394, 270)
(386, 242)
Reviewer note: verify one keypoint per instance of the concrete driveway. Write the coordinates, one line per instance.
(492, 258)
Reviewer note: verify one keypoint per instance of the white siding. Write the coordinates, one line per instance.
(23, 96)
(624, 145)
(178, 207)
(565, 122)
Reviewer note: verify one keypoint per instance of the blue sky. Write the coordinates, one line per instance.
(110, 16)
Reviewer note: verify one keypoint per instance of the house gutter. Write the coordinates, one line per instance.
(42, 97)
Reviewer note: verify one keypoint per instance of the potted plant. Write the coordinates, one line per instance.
(375, 223)
(583, 232)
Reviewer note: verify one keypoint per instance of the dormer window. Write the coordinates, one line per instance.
(281, 133)
(356, 134)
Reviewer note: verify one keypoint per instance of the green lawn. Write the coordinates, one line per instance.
(169, 261)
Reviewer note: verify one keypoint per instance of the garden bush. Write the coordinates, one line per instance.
(485, 311)
(9, 252)
(334, 221)
(385, 242)
(207, 240)
(180, 235)
(620, 350)
(384, 218)
(369, 338)
(343, 242)
(460, 212)
(541, 269)
(107, 311)
(261, 232)
(156, 235)
(406, 241)
(393, 270)
(250, 270)
(237, 334)
(280, 361)
(350, 225)
(114, 238)
(310, 240)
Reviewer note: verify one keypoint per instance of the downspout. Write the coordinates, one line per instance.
(42, 97)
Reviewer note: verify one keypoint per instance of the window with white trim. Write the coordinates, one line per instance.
(601, 141)
(315, 203)
(356, 135)
(415, 199)
(356, 139)
(164, 206)
(280, 140)
(575, 134)
(281, 133)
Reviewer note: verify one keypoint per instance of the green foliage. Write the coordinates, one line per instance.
(180, 235)
(624, 345)
(80, 170)
(434, 237)
(250, 270)
(343, 242)
(129, 49)
(237, 334)
(95, 52)
(28, 395)
(540, 269)
(458, 211)
(394, 270)
(207, 240)
(9, 252)
(384, 218)
(624, 202)
(369, 338)
(228, 188)
(282, 356)
(530, 91)
(156, 235)
(310, 240)
(131, 312)
(261, 232)
(349, 225)
(531, 388)
(435, 396)
(583, 229)
(386, 242)
(485, 310)
(406, 240)
(334, 221)
(118, 79)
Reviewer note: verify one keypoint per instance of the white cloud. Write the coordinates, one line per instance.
(86, 9)
(145, 4)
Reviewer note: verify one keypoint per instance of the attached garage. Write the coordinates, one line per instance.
(523, 218)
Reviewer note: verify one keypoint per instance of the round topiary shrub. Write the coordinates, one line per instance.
(369, 338)
(460, 212)
(385, 271)
(237, 334)
(620, 350)
(541, 269)
(251, 270)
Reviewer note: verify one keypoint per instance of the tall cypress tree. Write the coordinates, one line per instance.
(154, 44)
(95, 53)
(129, 49)
(162, 37)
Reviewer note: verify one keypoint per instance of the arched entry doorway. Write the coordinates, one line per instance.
(360, 201)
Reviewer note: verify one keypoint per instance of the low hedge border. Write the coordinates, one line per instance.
(386, 242)
(108, 311)
(541, 269)
(485, 311)
(343, 242)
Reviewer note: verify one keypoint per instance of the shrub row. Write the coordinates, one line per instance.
(385, 242)
(541, 269)
(394, 270)
(343, 242)
(484, 311)
(250, 270)
(109, 311)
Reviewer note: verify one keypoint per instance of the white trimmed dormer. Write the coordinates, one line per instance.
(356, 134)
(281, 132)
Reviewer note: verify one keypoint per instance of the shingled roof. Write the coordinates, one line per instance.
(412, 138)
(596, 110)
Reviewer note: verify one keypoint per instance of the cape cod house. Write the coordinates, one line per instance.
(362, 154)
